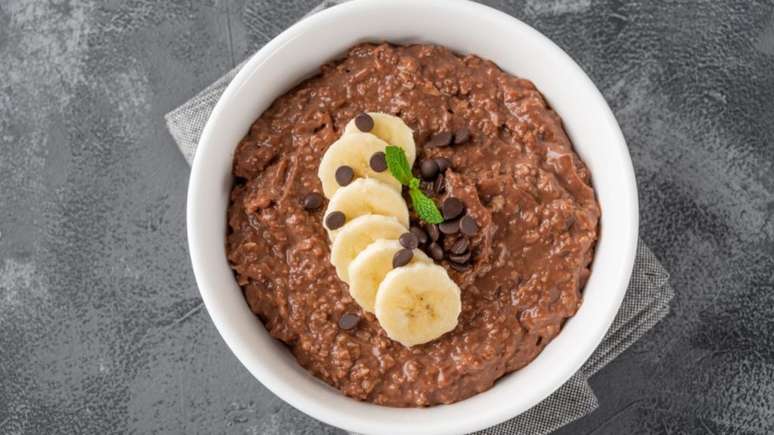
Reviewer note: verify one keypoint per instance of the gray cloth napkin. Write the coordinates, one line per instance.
(646, 302)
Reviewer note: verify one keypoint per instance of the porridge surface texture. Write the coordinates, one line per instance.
(515, 172)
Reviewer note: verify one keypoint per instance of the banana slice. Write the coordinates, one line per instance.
(370, 266)
(392, 130)
(357, 234)
(353, 150)
(366, 196)
(417, 303)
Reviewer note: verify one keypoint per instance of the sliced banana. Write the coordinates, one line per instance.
(353, 150)
(417, 303)
(357, 234)
(366, 196)
(370, 266)
(392, 130)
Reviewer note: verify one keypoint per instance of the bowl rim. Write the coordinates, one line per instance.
(200, 256)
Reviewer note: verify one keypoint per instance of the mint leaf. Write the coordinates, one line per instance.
(398, 164)
(425, 207)
(399, 167)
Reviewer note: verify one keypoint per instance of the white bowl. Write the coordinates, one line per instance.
(466, 28)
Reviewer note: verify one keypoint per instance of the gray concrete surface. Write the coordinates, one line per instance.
(101, 326)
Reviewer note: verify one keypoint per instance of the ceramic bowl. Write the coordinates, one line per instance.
(465, 27)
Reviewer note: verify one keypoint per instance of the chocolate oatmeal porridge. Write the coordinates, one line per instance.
(519, 231)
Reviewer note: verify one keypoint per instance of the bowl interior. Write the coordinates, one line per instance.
(466, 28)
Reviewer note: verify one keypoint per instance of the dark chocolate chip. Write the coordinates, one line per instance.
(461, 135)
(450, 227)
(460, 267)
(428, 169)
(348, 321)
(335, 220)
(364, 122)
(402, 257)
(436, 251)
(422, 236)
(440, 139)
(432, 231)
(409, 240)
(452, 208)
(468, 225)
(460, 258)
(460, 246)
(344, 175)
(312, 201)
(439, 185)
(378, 162)
(443, 164)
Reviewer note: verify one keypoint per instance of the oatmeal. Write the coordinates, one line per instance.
(519, 235)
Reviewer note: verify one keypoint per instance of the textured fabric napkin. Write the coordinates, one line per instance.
(646, 301)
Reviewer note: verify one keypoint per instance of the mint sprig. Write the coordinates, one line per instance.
(399, 167)
(425, 207)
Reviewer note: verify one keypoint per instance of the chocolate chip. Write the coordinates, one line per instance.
(402, 257)
(452, 208)
(450, 227)
(442, 139)
(312, 201)
(409, 240)
(461, 135)
(468, 225)
(364, 122)
(436, 251)
(348, 321)
(460, 246)
(378, 162)
(420, 234)
(443, 164)
(432, 231)
(428, 169)
(335, 220)
(344, 175)
(439, 185)
(460, 258)
(460, 267)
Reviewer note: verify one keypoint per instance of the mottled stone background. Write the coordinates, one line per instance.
(101, 326)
